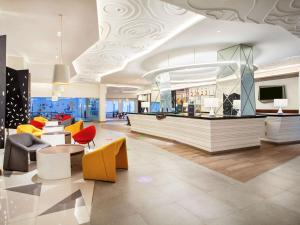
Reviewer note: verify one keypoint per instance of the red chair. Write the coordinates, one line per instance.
(85, 136)
(37, 124)
(66, 117)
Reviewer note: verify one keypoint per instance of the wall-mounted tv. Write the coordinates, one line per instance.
(269, 93)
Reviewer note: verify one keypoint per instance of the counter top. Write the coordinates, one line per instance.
(280, 115)
(203, 117)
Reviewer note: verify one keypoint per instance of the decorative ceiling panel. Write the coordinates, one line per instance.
(129, 29)
(284, 13)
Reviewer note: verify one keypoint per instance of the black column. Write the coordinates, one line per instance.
(2, 88)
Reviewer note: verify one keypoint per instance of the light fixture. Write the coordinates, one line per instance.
(61, 71)
(146, 106)
(280, 103)
(211, 103)
(54, 99)
(237, 106)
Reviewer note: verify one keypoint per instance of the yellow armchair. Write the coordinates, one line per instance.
(101, 164)
(27, 128)
(40, 119)
(75, 128)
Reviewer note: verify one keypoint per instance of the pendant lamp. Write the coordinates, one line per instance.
(61, 71)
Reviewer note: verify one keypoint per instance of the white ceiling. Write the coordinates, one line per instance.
(129, 29)
(31, 27)
(137, 36)
(200, 43)
(284, 13)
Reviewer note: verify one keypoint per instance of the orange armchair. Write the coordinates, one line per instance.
(27, 128)
(75, 128)
(101, 164)
(40, 119)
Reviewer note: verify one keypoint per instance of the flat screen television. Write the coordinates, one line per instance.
(269, 93)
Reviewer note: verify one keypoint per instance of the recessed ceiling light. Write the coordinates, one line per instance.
(58, 34)
(56, 56)
(218, 31)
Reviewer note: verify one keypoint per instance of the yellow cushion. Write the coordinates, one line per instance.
(40, 119)
(27, 128)
(75, 128)
(101, 164)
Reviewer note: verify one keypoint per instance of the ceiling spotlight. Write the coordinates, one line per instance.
(58, 34)
(218, 31)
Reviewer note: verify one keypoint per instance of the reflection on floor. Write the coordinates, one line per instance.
(241, 165)
(160, 188)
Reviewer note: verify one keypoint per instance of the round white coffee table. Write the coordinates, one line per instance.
(55, 162)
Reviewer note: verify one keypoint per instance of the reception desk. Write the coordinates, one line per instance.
(212, 134)
(282, 128)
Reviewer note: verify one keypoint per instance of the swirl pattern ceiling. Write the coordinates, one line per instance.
(129, 29)
(284, 13)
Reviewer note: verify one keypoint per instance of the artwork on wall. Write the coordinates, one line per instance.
(86, 109)
(2, 88)
(17, 97)
(228, 104)
(195, 96)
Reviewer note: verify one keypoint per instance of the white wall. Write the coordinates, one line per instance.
(16, 62)
(291, 86)
(70, 90)
(120, 95)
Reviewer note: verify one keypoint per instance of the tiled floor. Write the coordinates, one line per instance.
(240, 165)
(159, 188)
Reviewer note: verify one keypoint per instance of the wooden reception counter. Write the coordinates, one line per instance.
(212, 134)
(282, 128)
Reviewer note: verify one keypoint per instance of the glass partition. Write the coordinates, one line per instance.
(128, 106)
(112, 108)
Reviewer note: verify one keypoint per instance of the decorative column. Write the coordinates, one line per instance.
(2, 89)
(164, 85)
(236, 83)
(102, 102)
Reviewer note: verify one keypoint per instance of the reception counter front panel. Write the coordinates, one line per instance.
(282, 129)
(210, 134)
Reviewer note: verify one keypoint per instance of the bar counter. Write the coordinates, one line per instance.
(212, 134)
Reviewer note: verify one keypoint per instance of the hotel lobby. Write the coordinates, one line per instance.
(149, 112)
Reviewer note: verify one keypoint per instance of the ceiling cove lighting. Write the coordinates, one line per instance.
(151, 75)
(131, 36)
(61, 71)
(122, 86)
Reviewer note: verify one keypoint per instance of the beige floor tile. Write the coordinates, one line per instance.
(207, 207)
(288, 200)
(171, 214)
(129, 220)
(267, 213)
(237, 196)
